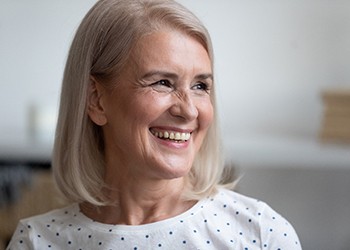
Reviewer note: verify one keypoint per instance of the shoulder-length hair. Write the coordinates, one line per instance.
(100, 49)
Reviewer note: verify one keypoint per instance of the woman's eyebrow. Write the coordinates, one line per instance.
(174, 76)
(160, 73)
(204, 77)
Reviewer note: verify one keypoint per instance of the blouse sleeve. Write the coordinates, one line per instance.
(276, 232)
(21, 239)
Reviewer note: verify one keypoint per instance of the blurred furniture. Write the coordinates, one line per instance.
(38, 196)
(304, 179)
(315, 200)
(336, 116)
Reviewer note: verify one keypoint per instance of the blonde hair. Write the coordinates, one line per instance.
(100, 49)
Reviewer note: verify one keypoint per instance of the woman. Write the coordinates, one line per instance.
(137, 146)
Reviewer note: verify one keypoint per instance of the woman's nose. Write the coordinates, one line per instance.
(184, 107)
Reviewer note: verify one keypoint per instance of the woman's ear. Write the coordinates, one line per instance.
(95, 107)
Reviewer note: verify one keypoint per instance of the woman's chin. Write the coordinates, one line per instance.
(173, 171)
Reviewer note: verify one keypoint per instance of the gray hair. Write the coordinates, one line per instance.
(100, 49)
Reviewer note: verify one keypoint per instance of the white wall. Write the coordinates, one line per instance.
(34, 40)
(273, 58)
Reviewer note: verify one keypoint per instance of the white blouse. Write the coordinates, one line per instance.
(227, 220)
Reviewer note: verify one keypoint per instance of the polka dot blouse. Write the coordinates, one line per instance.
(226, 221)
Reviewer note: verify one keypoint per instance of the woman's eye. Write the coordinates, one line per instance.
(164, 83)
(201, 86)
(162, 86)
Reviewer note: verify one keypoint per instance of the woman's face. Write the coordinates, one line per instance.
(160, 110)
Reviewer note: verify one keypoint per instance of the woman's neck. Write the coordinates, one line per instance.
(140, 202)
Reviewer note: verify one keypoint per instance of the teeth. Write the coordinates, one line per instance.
(166, 135)
(185, 136)
(177, 136)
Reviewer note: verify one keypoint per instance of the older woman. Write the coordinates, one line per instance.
(137, 148)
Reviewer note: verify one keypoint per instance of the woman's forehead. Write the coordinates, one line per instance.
(164, 48)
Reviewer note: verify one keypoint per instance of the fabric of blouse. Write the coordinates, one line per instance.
(227, 220)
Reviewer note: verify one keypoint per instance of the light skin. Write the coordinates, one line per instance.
(164, 88)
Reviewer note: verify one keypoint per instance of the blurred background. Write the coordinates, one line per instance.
(283, 79)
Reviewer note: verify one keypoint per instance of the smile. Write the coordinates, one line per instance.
(171, 135)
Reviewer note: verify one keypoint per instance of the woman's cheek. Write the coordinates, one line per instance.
(206, 114)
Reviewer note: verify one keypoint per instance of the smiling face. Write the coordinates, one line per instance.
(155, 118)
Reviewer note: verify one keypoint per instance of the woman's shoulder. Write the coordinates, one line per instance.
(52, 217)
(233, 199)
(36, 227)
(246, 208)
(251, 214)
